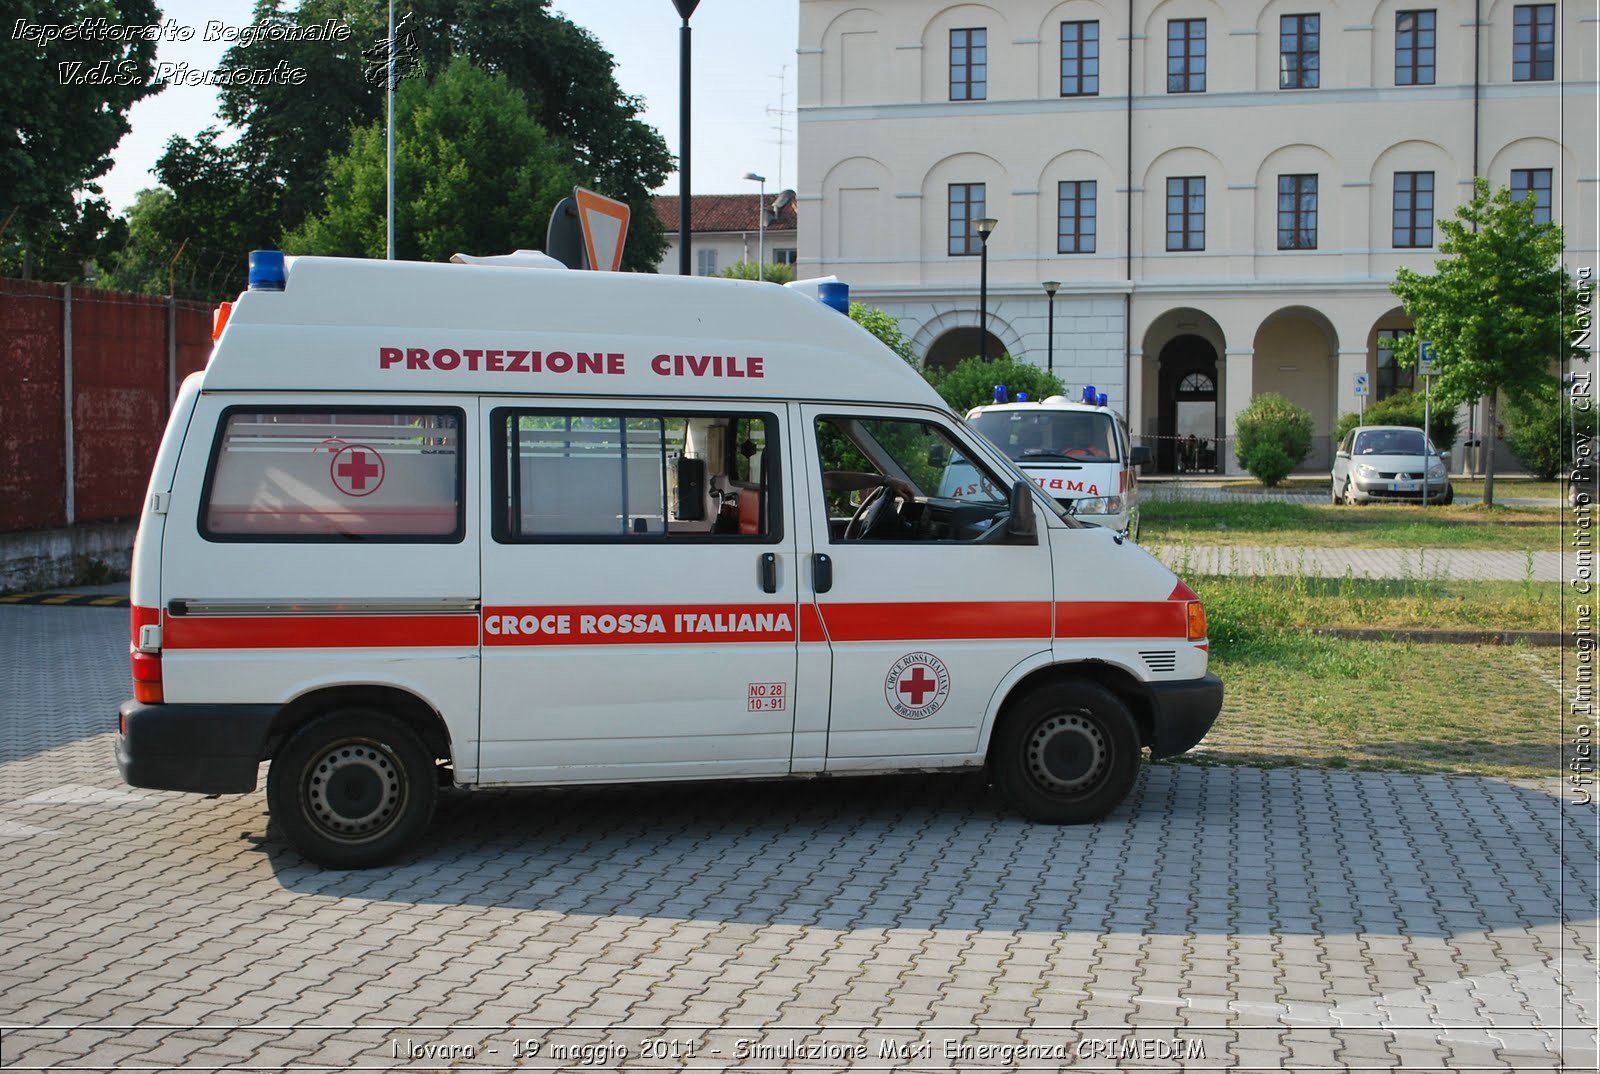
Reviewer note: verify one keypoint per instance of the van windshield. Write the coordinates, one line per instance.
(1051, 435)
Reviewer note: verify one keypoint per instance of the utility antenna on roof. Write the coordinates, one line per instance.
(782, 112)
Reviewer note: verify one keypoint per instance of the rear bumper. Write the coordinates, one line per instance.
(1184, 712)
(208, 749)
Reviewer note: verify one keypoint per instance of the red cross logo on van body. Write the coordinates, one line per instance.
(917, 686)
(357, 470)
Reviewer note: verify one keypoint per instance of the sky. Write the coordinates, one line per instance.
(741, 47)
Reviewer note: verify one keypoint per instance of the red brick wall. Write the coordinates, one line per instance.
(119, 404)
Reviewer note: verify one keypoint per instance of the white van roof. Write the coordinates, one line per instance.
(344, 324)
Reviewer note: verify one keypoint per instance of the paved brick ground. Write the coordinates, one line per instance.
(1274, 919)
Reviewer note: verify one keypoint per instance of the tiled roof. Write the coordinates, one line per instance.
(722, 212)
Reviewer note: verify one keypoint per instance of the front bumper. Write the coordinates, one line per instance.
(208, 749)
(1184, 712)
(1370, 491)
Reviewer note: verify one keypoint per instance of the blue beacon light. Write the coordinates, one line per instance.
(267, 272)
(999, 393)
(1022, 397)
(836, 295)
(1100, 400)
(1088, 394)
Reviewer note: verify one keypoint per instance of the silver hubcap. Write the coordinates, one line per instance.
(354, 790)
(1068, 754)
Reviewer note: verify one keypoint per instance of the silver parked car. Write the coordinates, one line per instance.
(1389, 462)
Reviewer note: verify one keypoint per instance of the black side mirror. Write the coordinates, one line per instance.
(936, 456)
(1021, 522)
(1139, 456)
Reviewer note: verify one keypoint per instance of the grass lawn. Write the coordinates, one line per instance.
(1466, 709)
(1242, 608)
(1514, 487)
(1324, 525)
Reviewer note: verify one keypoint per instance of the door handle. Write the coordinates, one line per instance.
(769, 572)
(821, 572)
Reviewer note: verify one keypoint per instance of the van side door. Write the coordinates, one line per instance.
(926, 602)
(639, 591)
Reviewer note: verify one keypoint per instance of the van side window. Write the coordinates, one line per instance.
(300, 474)
(634, 476)
(932, 490)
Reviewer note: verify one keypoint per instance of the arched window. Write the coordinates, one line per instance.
(1196, 382)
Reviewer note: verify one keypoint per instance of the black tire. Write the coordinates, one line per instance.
(1449, 497)
(1066, 753)
(351, 789)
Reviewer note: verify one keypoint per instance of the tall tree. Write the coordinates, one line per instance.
(474, 172)
(566, 76)
(1498, 307)
(64, 109)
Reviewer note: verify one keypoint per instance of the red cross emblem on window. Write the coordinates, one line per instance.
(357, 470)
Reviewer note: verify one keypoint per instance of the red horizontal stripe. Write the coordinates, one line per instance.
(936, 621)
(1122, 619)
(320, 631)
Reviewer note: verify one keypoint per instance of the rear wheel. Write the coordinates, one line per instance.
(1066, 754)
(351, 789)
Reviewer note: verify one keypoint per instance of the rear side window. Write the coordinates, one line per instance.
(360, 474)
(596, 476)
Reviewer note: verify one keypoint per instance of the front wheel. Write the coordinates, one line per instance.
(351, 789)
(1066, 754)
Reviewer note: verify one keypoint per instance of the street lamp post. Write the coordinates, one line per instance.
(685, 9)
(761, 225)
(984, 225)
(1050, 288)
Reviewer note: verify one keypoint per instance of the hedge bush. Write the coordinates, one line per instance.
(1539, 430)
(1405, 408)
(971, 383)
(1274, 436)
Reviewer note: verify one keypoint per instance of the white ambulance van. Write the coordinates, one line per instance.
(1079, 453)
(429, 525)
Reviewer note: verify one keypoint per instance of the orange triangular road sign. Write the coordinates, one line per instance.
(605, 228)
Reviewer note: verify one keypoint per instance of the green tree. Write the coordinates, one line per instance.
(64, 110)
(215, 204)
(749, 270)
(972, 382)
(473, 171)
(1406, 408)
(885, 327)
(1274, 436)
(292, 132)
(1541, 430)
(1498, 307)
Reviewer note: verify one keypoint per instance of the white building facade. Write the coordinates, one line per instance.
(1223, 190)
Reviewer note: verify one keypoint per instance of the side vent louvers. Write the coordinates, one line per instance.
(1161, 661)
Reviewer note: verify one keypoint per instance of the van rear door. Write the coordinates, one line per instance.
(331, 546)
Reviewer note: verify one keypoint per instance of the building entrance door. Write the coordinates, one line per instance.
(1186, 420)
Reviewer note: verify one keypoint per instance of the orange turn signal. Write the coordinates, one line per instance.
(1197, 621)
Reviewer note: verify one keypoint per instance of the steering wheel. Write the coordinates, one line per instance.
(870, 513)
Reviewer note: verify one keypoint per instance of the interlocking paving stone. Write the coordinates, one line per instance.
(1279, 917)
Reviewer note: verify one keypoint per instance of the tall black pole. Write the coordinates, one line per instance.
(983, 297)
(1050, 331)
(685, 9)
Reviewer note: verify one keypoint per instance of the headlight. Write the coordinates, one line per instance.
(1366, 470)
(1099, 505)
(1436, 470)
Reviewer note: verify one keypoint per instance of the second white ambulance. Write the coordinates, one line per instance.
(479, 525)
(1079, 453)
